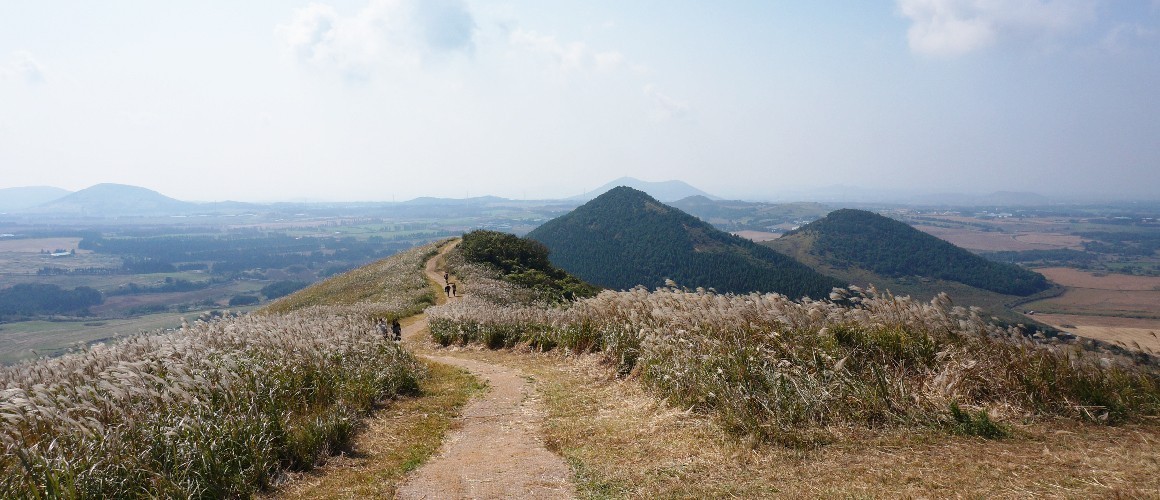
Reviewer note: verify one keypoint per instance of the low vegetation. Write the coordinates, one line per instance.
(390, 288)
(788, 371)
(216, 409)
(524, 263)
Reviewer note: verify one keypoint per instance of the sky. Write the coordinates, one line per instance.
(380, 100)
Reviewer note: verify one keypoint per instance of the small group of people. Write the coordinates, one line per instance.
(449, 287)
(393, 331)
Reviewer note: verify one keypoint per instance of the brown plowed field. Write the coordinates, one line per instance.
(994, 241)
(1113, 307)
(1128, 331)
(1076, 278)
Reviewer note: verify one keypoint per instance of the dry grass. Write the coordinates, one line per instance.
(1093, 302)
(623, 442)
(36, 245)
(391, 287)
(982, 241)
(1076, 278)
(396, 440)
(1129, 332)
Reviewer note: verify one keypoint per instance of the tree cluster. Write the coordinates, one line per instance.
(892, 248)
(625, 238)
(523, 262)
(35, 299)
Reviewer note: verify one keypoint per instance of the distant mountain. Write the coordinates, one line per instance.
(860, 239)
(113, 200)
(665, 191)
(734, 215)
(20, 198)
(625, 238)
(478, 200)
(995, 199)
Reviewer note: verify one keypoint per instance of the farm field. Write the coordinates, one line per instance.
(48, 338)
(758, 235)
(1078, 278)
(1108, 329)
(995, 241)
(36, 245)
(1110, 307)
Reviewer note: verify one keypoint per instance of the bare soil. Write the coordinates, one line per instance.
(498, 452)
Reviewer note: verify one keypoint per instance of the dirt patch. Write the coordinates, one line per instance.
(498, 453)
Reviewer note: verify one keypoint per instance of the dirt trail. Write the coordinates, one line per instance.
(497, 453)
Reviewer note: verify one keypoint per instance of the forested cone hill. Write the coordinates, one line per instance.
(891, 248)
(625, 238)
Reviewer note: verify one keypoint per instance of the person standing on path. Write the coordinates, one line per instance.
(453, 292)
(397, 330)
(447, 289)
(381, 326)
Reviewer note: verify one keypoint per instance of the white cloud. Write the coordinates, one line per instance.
(665, 107)
(572, 56)
(23, 66)
(955, 27)
(1123, 37)
(384, 32)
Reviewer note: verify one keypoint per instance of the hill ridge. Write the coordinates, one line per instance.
(625, 238)
(850, 237)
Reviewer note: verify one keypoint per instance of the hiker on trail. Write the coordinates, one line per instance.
(397, 329)
(446, 278)
(381, 326)
(453, 292)
(447, 288)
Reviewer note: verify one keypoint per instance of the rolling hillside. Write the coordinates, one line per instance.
(19, 198)
(666, 191)
(625, 238)
(861, 240)
(113, 200)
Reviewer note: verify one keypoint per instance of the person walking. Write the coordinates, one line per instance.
(397, 329)
(381, 326)
(453, 292)
(447, 289)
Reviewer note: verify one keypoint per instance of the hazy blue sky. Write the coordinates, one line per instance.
(382, 99)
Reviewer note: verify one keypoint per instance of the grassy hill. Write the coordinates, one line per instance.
(393, 287)
(867, 241)
(625, 238)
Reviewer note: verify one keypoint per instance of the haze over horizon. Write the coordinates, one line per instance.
(374, 100)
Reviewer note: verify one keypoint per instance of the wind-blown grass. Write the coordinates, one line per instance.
(393, 288)
(215, 409)
(784, 370)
